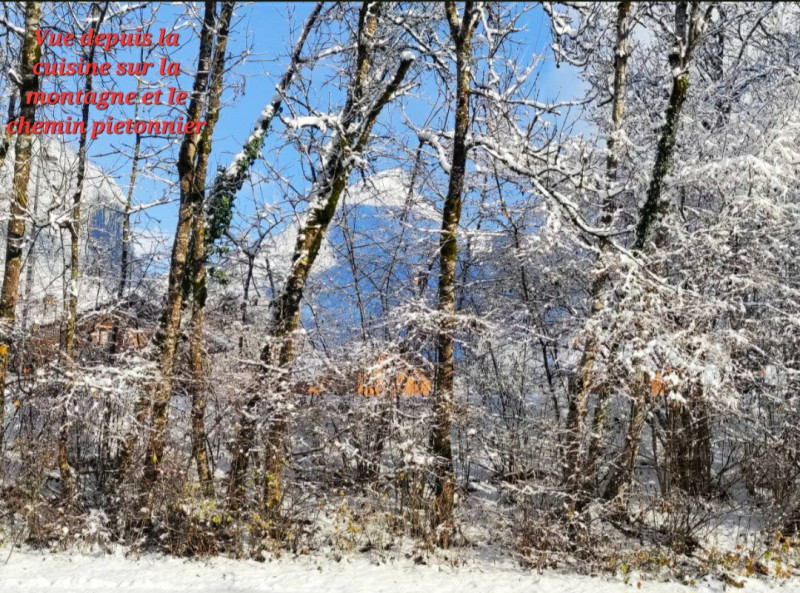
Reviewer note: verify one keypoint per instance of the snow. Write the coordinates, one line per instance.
(11, 26)
(52, 184)
(308, 121)
(280, 248)
(390, 189)
(57, 163)
(429, 138)
(259, 130)
(27, 570)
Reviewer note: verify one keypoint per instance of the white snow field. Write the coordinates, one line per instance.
(31, 571)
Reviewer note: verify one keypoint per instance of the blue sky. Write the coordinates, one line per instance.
(269, 31)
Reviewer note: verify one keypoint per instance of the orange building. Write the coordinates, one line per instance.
(400, 379)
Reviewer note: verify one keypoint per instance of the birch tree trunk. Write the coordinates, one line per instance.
(29, 83)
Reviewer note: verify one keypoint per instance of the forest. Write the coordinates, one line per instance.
(432, 277)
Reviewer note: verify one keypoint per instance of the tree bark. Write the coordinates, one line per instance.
(357, 123)
(579, 471)
(461, 32)
(171, 320)
(688, 447)
(198, 256)
(29, 55)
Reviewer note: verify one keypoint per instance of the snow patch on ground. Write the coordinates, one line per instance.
(27, 570)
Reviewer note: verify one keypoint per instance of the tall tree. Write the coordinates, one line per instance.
(360, 112)
(192, 189)
(690, 23)
(125, 251)
(97, 15)
(28, 83)
(198, 255)
(211, 223)
(576, 473)
(461, 33)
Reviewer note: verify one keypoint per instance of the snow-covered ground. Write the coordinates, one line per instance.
(30, 571)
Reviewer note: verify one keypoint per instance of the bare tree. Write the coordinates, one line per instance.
(360, 112)
(690, 24)
(462, 29)
(28, 83)
(191, 198)
(198, 256)
(578, 474)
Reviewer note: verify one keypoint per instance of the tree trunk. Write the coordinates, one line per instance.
(248, 281)
(198, 387)
(30, 259)
(650, 214)
(621, 54)
(579, 472)
(655, 206)
(461, 32)
(357, 123)
(688, 448)
(67, 480)
(171, 320)
(198, 255)
(689, 444)
(620, 480)
(225, 187)
(5, 144)
(117, 337)
(29, 55)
